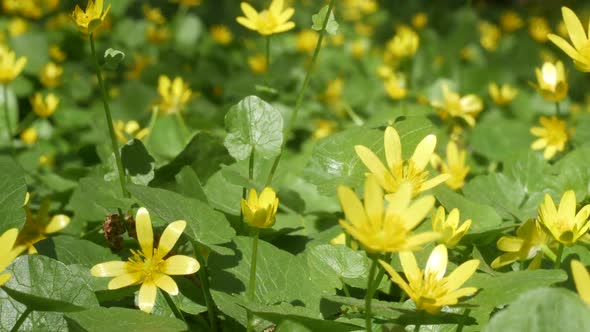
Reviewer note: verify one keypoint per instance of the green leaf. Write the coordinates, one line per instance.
(34, 46)
(189, 185)
(572, 173)
(138, 163)
(11, 310)
(499, 138)
(502, 193)
(253, 124)
(122, 319)
(113, 58)
(204, 224)
(319, 19)
(44, 284)
(95, 198)
(13, 190)
(12, 115)
(70, 250)
(543, 310)
(333, 264)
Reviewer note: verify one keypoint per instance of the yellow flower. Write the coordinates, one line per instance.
(552, 136)
(257, 63)
(269, 21)
(51, 75)
(490, 36)
(157, 34)
(175, 94)
(581, 279)
(580, 51)
(38, 226)
(404, 44)
(395, 86)
(397, 170)
(127, 131)
(260, 211)
(430, 290)
(455, 165)
(221, 34)
(7, 253)
(358, 48)
(44, 106)
(530, 238)
(551, 81)
(17, 27)
(510, 21)
(29, 136)
(539, 29)
(420, 20)
(379, 229)
(502, 95)
(56, 53)
(449, 228)
(148, 266)
(453, 105)
(563, 223)
(10, 67)
(323, 128)
(153, 14)
(306, 40)
(138, 66)
(87, 21)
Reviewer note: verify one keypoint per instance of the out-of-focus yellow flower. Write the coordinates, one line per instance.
(581, 279)
(379, 229)
(87, 21)
(188, 3)
(502, 95)
(175, 94)
(552, 136)
(358, 48)
(448, 227)
(511, 21)
(337, 39)
(333, 93)
(51, 74)
(530, 238)
(139, 64)
(258, 63)
(38, 226)
(260, 211)
(323, 128)
(455, 165)
(398, 171)
(273, 20)
(10, 66)
(306, 40)
(384, 71)
(580, 50)
(363, 29)
(467, 53)
(353, 10)
(7, 253)
(44, 106)
(490, 36)
(429, 289)
(221, 34)
(29, 136)
(127, 131)
(539, 29)
(46, 160)
(153, 14)
(340, 240)
(563, 223)
(17, 27)
(395, 86)
(56, 53)
(157, 34)
(404, 44)
(419, 20)
(551, 81)
(148, 266)
(453, 105)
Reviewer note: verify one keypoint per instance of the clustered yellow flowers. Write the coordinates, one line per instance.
(551, 81)
(490, 36)
(10, 66)
(395, 86)
(87, 21)
(260, 211)
(580, 50)
(527, 244)
(44, 106)
(502, 94)
(552, 136)
(270, 21)
(451, 232)
(175, 94)
(126, 131)
(429, 289)
(454, 106)
(455, 165)
(404, 44)
(149, 266)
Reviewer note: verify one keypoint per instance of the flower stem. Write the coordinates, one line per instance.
(369, 295)
(252, 283)
(107, 112)
(301, 94)
(152, 124)
(557, 109)
(558, 258)
(251, 166)
(206, 287)
(183, 128)
(21, 320)
(177, 313)
(7, 117)
(462, 322)
(267, 58)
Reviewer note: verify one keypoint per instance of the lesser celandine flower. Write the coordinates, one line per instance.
(257, 63)
(563, 223)
(502, 94)
(306, 40)
(527, 244)
(148, 266)
(29, 136)
(455, 165)
(380, 229)
(511, 21)
(551, 81)
(50, 75)
(44, 106)
(419, 20)
(126, 131)
(553, 135)
(539, 29)
(273, 20)
(395, 86)
(580, 50)
(10, 66)
(429, 289)
(453, 105)
(398, 171)
(260, 211)
(175, 94)
(448, 227)
(87, 21)
(404, 44)
(7, 253)
(490, 35)
(581, 279)
(221, 34)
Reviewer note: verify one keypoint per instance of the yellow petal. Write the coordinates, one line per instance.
(276, 6)
(166, 283)
(171, 234)
(247, 23)
(510, 243)
(565, 46)
(415, 242)
(567, 205)
(57, 223)
(396, 278)
(375, 166)
(179, 265)
(145, 233)
(109, 269)
(351, 205)
(393, 146)
(286, 15)
(461, 274)
(399, 201)
(574, 28)
(267, 197)
(416, 212)
(424, 151)
(284, 27)
(453, 219)
(125, 280)
(437, 262)
(582, 280)
(249, 11)
(410, 266)
(435, 181)
(505, 259)
(4, 278)
(7, 241)
(373, 200)
(147, 297)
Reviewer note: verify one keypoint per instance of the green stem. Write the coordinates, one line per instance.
(252, 283)
(558, 258)
(548, 252)
(251, 166)
(182, 124)
(206, 287)
(345, 288)
(462, 322)
(21, 320)
(557, 109)
(177, 313)
(381, 272)
(107, 112)
(27, 121)
(369, 295)
(152, 124)
(417, 327)
(301, 94)
(7, 117)
(267, 58)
